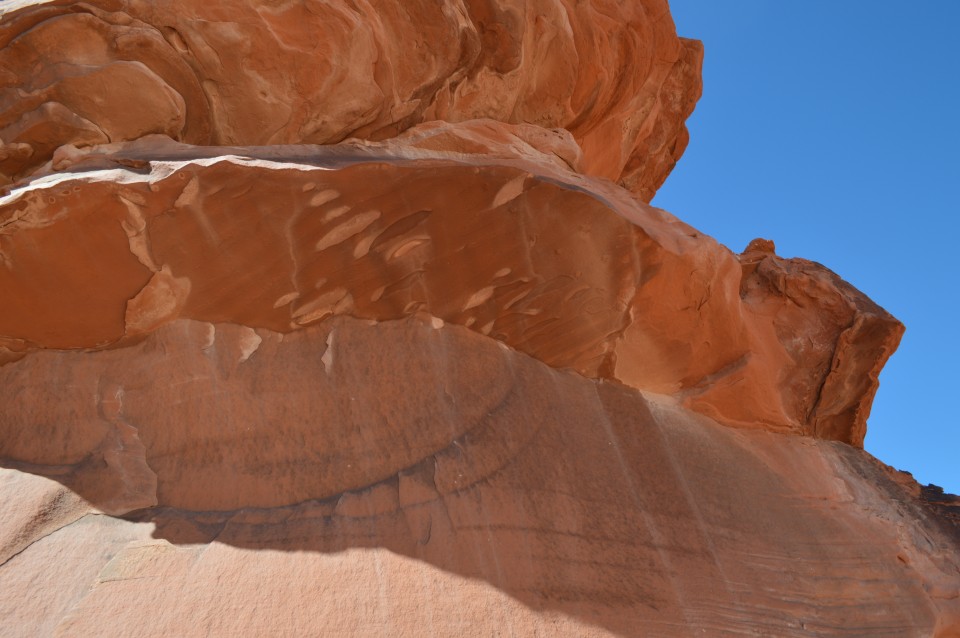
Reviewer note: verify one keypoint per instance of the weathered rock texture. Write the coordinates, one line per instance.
(571, 271)
(614, 74)
(450, 376)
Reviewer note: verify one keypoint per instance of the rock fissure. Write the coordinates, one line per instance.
(46, 534)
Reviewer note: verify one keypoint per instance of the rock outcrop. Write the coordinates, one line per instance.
(514, 245)
(252, 73)
(351, 318)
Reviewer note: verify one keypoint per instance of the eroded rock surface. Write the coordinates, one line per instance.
(350, 318)
(453, 484)
(565, 268)
(614, 74)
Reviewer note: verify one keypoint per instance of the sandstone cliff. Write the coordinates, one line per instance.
(351, 318)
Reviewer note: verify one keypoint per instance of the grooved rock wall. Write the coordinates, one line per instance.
(350, 318)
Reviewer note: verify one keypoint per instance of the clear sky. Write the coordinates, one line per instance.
(833, 128)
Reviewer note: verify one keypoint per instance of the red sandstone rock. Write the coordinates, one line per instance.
(615, 75)
(494, 236)
(415, 477)
(438, 376)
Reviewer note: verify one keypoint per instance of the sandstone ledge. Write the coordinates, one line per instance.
(350, 318)
(505, 240)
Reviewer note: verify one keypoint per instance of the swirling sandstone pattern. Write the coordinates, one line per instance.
(251, 73)
(350, 318)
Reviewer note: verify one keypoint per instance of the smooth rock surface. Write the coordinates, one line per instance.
(507, 497)
(349, 318)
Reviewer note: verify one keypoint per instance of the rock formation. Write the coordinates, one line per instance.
(351, 318)
(614, 75)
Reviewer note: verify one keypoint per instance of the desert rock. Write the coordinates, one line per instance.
(249, 73)
(453, 485)
(382, 231)
(351, 318)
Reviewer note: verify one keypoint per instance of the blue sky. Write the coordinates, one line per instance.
(832, 128)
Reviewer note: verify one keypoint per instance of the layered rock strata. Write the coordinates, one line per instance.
(251, 73)
(410, 477)
(350, 318)
(567, 269)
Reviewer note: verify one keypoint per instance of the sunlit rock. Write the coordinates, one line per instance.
(249, 73)
(351, 318)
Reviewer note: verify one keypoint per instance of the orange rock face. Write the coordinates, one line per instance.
(615, 75)
(349, 318)
(565, 268)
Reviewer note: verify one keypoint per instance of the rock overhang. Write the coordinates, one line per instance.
(376, 284)
(503, 240)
